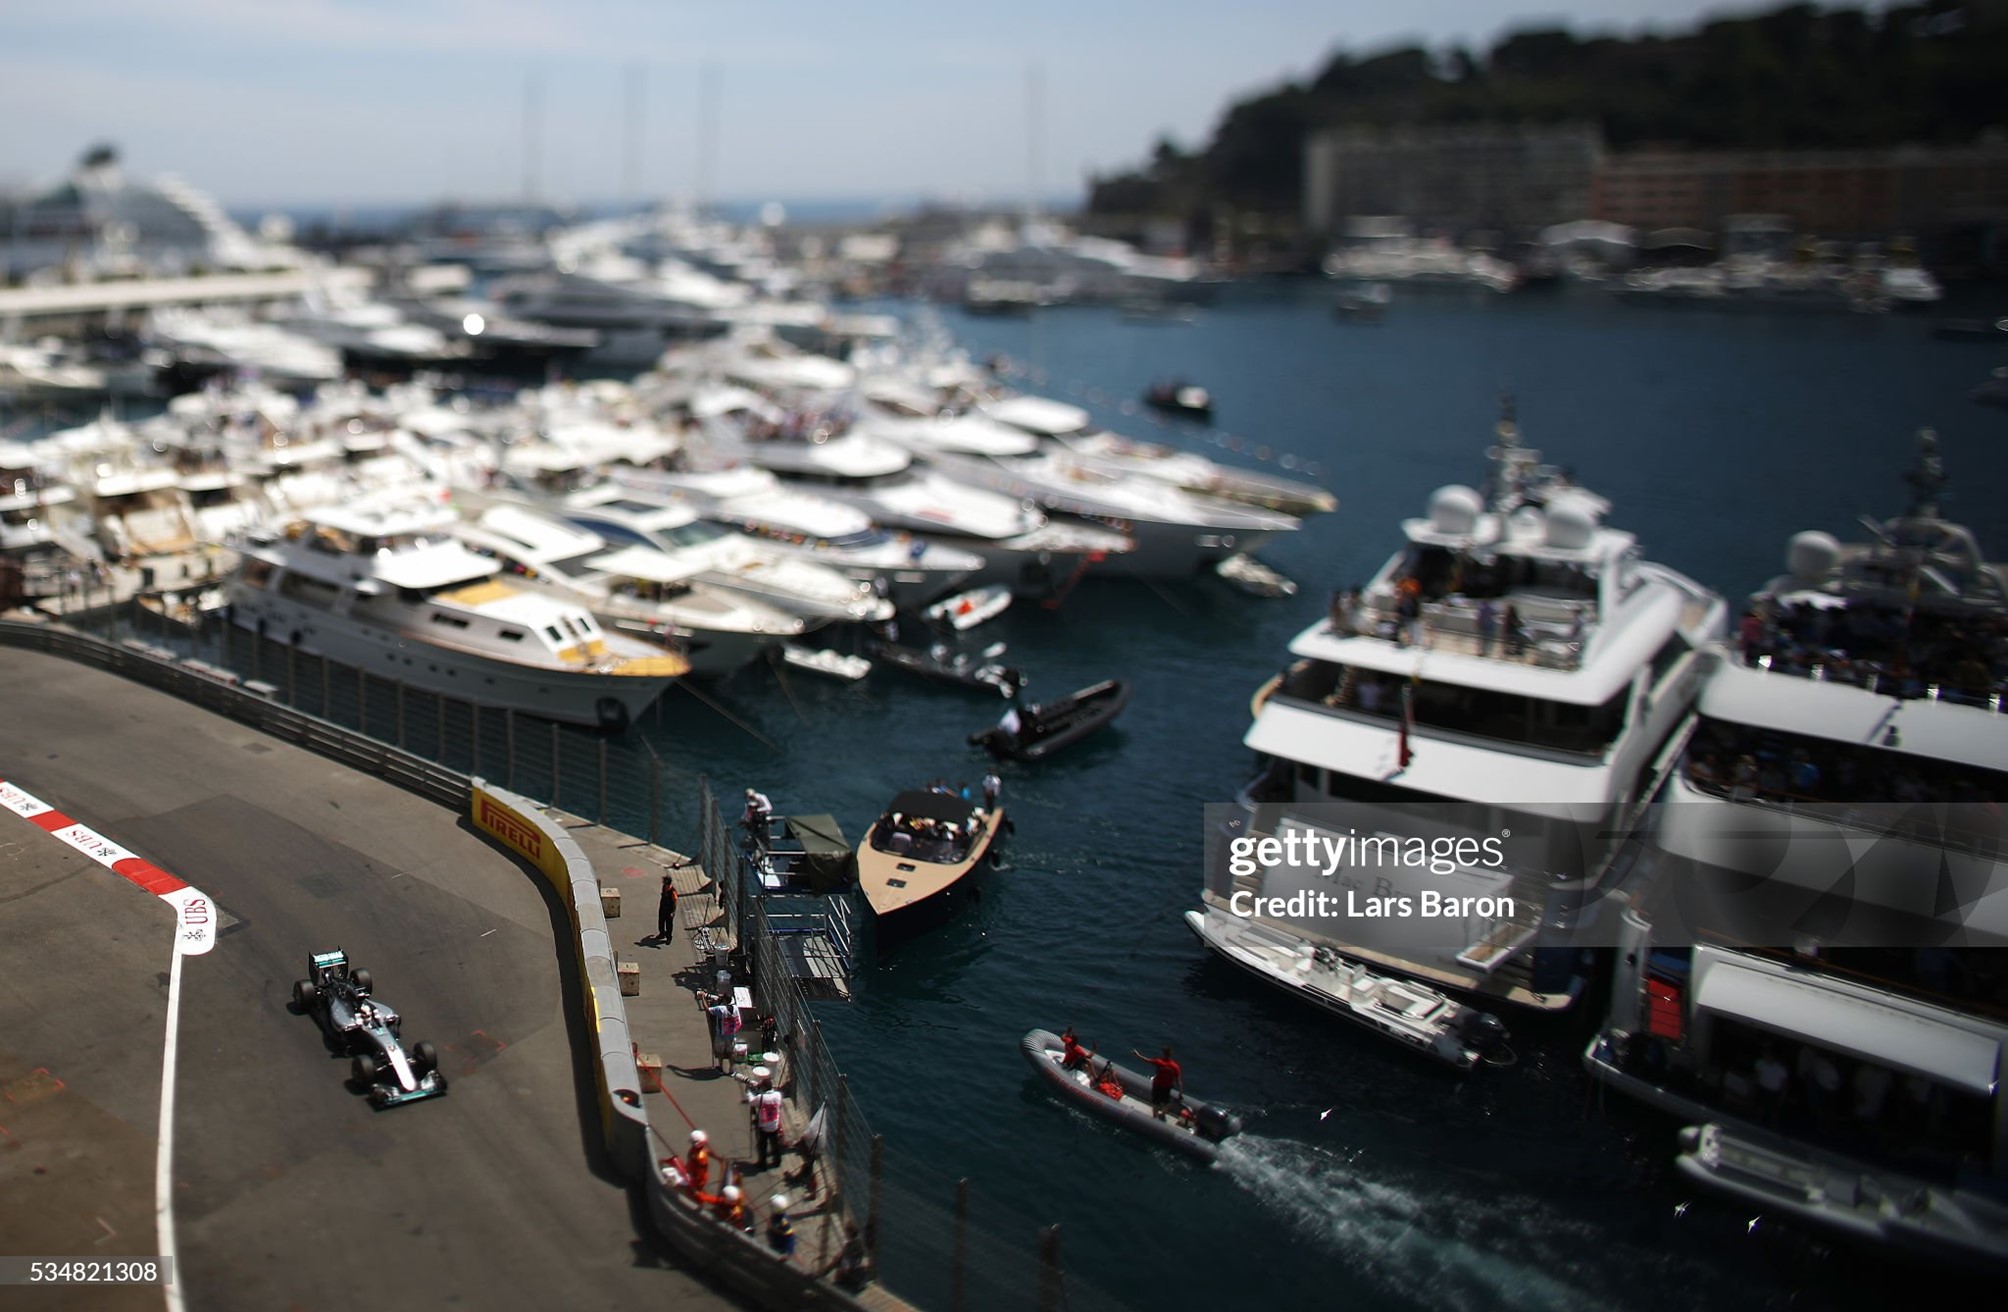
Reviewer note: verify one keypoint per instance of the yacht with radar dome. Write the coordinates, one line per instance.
(1503, 693)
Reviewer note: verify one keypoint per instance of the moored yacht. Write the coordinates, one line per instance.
(387, 589)
(637, 309)
(635, 589)
(724, 558)
(1841, 1099)
(1176, 533)
(1020, 546)
(951, 405)
(42, 532)
(574, 487)
(1069, 427)
(828, 532)
(1467, 736)
(1851, 745)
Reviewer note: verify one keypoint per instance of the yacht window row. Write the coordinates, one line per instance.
(1894, 650)
(1480, 712)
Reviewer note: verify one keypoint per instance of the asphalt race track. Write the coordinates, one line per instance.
(289, 1190)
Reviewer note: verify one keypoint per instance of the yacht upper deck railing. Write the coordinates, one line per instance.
(1520, 628)
(1913, 656)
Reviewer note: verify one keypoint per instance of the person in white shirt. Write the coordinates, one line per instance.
(759, 810)
(767, 1102)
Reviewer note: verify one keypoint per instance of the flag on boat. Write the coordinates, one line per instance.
(1406, 753)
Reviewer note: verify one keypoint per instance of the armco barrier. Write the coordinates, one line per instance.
(518, 824)
(159, 668)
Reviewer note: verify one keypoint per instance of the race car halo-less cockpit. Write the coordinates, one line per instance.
(338, 994)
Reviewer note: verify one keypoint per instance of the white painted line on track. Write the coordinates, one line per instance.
(194, 934)
(163, 1166)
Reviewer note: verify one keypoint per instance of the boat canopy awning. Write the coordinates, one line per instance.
(1898, 1038)
(826, 855)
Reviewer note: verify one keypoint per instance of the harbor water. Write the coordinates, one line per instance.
(1366, 1179)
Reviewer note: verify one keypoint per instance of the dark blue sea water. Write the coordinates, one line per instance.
(1365, 1180)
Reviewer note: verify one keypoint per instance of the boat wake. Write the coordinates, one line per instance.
(1438, 1249)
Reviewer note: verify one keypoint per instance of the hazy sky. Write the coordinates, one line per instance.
(384, 101)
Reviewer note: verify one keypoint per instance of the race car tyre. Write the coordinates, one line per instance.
(364, 1068)
(361, 979)
(424, 1057)
(305, 995)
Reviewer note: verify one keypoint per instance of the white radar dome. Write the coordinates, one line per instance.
(1572, 522)
(1526, 524)
(1811, 556)
(1454, 510)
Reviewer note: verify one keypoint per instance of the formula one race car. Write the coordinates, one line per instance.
(338, 994)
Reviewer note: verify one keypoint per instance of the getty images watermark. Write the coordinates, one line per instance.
(1377, 871)
(1445, 876)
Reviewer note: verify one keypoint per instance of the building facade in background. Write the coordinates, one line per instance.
(1456, 178)
(1518, 179)
(1838, 193)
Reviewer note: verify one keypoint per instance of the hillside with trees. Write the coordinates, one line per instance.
(1795, 77)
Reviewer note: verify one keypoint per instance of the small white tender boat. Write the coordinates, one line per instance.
(966, 610)
(821, 660)
(1420, 1018)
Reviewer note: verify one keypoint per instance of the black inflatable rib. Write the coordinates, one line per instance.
(1200, 1136)
(960, 668)
(1048, 726)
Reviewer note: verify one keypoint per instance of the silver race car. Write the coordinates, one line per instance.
(338, 994)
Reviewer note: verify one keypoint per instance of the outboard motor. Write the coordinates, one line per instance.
(1483, 1032)
(1215, 1124)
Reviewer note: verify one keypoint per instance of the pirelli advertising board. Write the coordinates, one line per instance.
(508, 826)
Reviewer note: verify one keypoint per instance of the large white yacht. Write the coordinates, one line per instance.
(721, 557)
(635, 589)
(126, 488)
(1836, 1097)
(1851, 744)
(1072, 429)
(638, 309)
(1501, 694)
(42, 531)
(1177, 533)
(387, 589)
(562, 481)
(276, 354)
(1019, 544)
(1839, 794)
(930, 395)
(828, 532)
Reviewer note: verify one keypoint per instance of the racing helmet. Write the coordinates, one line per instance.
(731, 1194)
(699, 1136)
